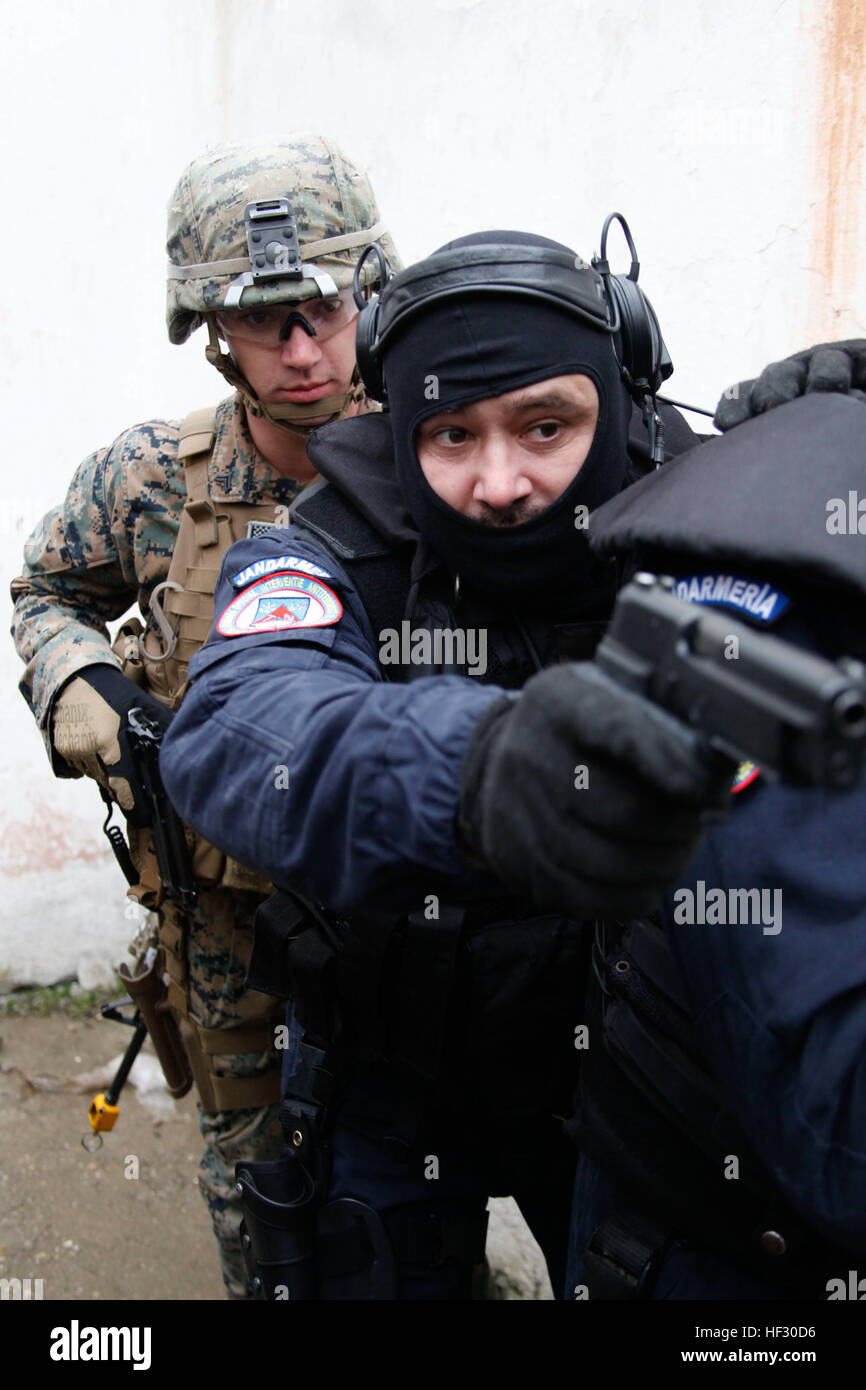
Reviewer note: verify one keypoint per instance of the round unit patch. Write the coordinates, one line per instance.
(280, 603)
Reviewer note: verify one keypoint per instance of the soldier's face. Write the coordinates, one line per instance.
(504, 459)
(301, 369)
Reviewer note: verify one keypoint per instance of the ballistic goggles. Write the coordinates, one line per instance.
(271, 324)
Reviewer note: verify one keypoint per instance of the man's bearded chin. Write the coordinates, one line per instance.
(524, 509)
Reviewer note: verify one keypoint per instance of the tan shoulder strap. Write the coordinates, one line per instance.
(197, 433)
(206, 531)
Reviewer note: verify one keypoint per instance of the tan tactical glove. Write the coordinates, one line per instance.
(88, 730)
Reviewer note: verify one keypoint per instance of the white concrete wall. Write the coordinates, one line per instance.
(730, 134)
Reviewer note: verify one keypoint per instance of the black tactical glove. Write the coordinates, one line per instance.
(90, 731)
(584, 797)
(837, 367)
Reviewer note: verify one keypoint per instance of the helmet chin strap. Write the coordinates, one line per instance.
(287, 416)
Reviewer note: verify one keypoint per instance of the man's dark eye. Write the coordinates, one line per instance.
(324, 309)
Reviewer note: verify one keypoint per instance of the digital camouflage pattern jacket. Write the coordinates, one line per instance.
(110, 544)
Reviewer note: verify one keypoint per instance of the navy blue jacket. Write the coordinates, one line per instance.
(372, 766)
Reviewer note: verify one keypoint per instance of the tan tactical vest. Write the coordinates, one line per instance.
(183, 607)
(182, 604)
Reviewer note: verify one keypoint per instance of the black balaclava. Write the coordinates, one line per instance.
(485, 344)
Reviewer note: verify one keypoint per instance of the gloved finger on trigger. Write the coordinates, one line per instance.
(122, 792)
(125, 787)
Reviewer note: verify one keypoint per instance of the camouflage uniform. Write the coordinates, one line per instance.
(111, 544)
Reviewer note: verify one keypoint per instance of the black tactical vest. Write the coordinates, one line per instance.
(489, 991)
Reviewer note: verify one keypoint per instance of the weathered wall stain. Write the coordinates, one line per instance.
(47, 840)
(840, 37)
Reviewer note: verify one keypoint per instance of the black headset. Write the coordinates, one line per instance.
(643, 358)
(609, 303)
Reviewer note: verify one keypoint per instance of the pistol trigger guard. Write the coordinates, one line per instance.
(165, 627)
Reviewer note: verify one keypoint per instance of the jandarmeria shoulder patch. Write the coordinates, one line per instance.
(759, 601)
(274, 565)
(278, 603)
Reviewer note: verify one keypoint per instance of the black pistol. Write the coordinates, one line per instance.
(798, 715)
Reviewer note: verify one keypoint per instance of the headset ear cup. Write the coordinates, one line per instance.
(369, 364)
(639, 333)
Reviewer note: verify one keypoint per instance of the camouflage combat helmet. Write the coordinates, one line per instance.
(311, 188)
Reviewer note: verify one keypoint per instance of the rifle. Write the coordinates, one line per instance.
(145, 986)
(144, 735)
(801, 717)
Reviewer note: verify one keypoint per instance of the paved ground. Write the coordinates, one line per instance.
(74, 1219)
(89, 1228)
